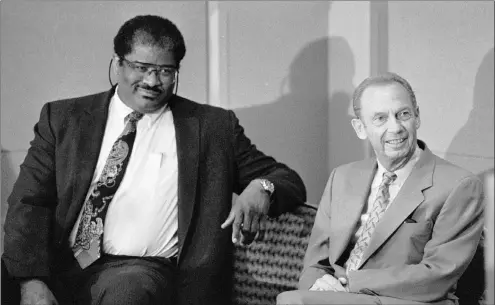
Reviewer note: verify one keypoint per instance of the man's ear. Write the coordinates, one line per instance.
(358, 126)
(116, 64)
(418, 119)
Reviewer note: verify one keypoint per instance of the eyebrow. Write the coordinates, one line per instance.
(386, 112)
(148, 64)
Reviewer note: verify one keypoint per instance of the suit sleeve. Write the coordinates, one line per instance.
(456, 234)
(253, 164)
(31, 206)
(316, 262)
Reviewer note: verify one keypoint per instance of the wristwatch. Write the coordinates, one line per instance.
(267, 186)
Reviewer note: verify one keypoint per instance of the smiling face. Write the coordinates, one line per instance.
(144, 92)
(390, 122)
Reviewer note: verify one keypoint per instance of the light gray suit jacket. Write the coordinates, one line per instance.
(422, 245)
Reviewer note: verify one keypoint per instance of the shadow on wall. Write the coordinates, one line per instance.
(475, 138)
(295, 128)
(344, 145)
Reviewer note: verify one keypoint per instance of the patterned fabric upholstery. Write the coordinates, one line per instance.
(268, 267)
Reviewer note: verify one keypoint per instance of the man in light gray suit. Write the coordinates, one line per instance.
(398, 228)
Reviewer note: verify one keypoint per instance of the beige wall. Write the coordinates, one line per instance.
(289, 69)
(54, 50)
(445, 49)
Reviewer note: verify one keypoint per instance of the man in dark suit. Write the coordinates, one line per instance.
(125, 196)
(398, 228)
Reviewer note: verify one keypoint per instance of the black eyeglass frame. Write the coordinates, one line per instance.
(150, 68)
(176, 78)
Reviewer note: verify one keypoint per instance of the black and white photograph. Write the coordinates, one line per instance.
(247, 152)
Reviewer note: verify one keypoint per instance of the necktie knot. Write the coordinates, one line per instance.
(388, 178)
(134, 116)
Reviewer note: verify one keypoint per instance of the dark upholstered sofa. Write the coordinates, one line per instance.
(266, 268)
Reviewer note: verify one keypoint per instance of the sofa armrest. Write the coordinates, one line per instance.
(268, 267)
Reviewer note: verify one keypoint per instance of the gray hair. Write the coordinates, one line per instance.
(382, 79)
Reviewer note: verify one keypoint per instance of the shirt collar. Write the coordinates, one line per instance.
(403, 172)
(121, 110)
(118, 109)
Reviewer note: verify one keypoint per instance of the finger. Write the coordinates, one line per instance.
(322, 284)
(261, 232)
(229, 219)
(315, 287)
(236, 227)
(343, 280)
(249, 236)
(246, 224)
(333, 283)
(255, 223)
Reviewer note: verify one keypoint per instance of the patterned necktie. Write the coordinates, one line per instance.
(379, 207)
(90, 231)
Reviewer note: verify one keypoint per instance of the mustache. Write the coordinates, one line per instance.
(154, 89)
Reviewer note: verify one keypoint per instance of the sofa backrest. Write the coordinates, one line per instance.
(268, 267)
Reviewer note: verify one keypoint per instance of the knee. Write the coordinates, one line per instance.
(289, 298)
(130, 287)
(121, 289)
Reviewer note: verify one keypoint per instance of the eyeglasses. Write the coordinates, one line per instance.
(165, 73)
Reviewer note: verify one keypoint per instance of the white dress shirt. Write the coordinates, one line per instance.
(142, 217)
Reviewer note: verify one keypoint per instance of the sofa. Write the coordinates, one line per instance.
(268, 267)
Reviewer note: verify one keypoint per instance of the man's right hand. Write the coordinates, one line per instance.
(36, 292)
(327, 283)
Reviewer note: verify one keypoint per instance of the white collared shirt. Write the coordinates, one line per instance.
(142, 217)
(394, 188)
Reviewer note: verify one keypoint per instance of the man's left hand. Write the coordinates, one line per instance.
(248, 214)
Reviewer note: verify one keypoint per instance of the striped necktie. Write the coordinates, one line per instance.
(379, 206)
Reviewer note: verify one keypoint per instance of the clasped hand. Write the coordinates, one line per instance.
(35, 292)
(248, 213)
(330, 283)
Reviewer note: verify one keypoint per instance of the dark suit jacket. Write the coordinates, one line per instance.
(215, 159)
(420, 247)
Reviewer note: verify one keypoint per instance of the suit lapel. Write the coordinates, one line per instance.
(406, 201)
(187, 138)
(349, 207)
(88, 140)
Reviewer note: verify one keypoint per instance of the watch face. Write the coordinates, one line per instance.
(267, 185)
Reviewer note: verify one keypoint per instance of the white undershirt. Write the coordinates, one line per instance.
(142, 217)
